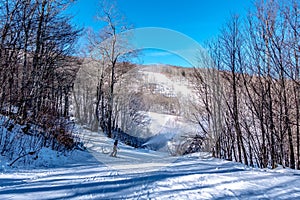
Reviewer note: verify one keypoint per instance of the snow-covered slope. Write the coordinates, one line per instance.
(167, 95)
(142, 174)
(169, 86)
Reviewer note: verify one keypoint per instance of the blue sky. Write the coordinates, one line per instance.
(200, 20)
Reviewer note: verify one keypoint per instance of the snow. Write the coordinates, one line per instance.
(142, 174)
(167, 85)
(167, 131)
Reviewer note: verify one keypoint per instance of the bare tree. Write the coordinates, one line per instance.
(111, 48)
(231, 42)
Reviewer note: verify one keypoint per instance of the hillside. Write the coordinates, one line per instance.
(167, 91)
(168, 88)
(151, 101)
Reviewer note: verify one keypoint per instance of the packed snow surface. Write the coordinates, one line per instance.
(142, 174)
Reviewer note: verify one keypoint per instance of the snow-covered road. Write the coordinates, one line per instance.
(142, 174)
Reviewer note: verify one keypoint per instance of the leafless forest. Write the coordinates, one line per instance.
(251, 87)
(247, 86)
(37, 73)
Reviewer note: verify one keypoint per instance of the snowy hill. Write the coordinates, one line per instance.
(151, 101)
(168, 82)
(143, 174)
(166, 98)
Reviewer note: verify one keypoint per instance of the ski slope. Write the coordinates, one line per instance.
(143, 174)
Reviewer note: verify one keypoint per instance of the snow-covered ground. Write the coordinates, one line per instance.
(143, 174)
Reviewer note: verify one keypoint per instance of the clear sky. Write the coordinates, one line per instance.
(199, 19)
